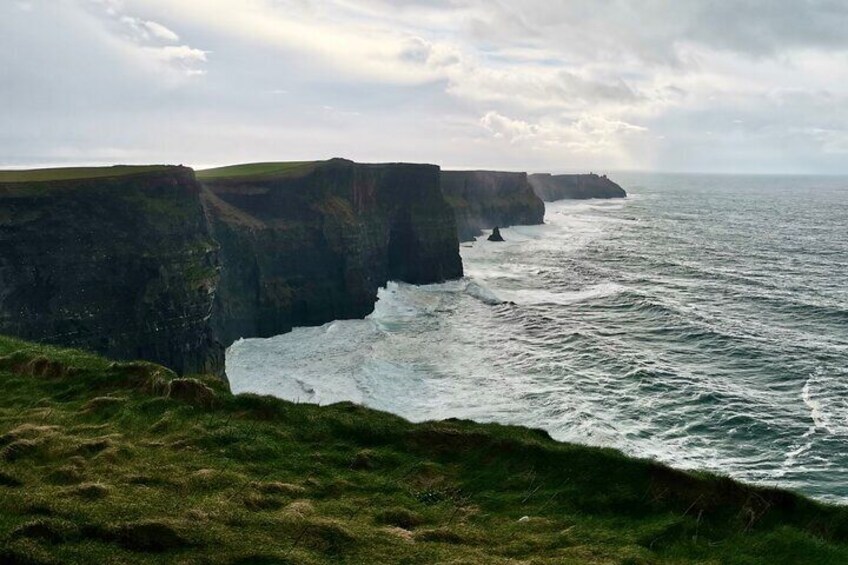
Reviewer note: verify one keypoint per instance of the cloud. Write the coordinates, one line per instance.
(182, 54)
(146, 30)
(150, 38)
(477, 82)
(586, 134)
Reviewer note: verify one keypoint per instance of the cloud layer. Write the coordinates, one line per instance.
(691, 85)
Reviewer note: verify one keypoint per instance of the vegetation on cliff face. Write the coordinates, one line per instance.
(123, 462)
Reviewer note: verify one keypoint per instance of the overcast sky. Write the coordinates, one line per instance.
(539, 85)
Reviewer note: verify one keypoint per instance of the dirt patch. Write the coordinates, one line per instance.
(90, 491)
(21, 449)
(286, 489)
(192, 391)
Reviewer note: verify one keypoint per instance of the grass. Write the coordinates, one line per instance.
(76, 173)
(255, 170)
(106, 462)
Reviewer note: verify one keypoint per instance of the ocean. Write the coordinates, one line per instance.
(702, 322)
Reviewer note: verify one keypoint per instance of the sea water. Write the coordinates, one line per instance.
(702, 322)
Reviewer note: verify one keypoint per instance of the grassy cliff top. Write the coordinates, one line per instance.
(125, 463)
(255, 170)
(76, 173)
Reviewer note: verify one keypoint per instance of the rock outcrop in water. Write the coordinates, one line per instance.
(485, 199)
(574, 187)
(123, 265)
(147, 263)
(313, 243)
(496, 235)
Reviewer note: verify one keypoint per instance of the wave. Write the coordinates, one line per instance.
(483, 294)
(543, 297)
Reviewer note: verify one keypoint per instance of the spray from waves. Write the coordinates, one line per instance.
(670, 325)
(828, 404)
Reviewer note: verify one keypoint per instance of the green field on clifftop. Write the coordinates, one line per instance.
(254, 170)
(76, 173)
(123, 462)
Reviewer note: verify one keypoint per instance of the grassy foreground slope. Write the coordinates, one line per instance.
(113, 463)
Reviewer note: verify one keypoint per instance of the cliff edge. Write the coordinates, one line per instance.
(485, 199)
(574, 187)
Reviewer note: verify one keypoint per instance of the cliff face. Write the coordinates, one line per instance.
(121, 265)
(145, 263)
(487, 199)
(314, 243)
(574, 187)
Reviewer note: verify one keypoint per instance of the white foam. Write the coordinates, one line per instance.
(541, 296)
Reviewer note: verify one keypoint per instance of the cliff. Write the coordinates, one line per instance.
(145, 263)
(306, 243)
(118, 260)
(487, 199)
(574, 187)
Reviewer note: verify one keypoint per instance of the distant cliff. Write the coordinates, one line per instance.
(123, 264)
(145, 263)
(575, 187)
(314, 241)
(487, 199)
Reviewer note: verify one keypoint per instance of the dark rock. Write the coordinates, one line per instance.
(574, 187)
(149, 536)
(496, 235)
(484, 199)
(192, 391)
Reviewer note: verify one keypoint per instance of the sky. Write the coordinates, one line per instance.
(735, 86)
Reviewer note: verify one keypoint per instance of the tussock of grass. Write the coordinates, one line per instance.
(124, 462)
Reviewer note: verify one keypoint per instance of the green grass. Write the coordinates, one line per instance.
(124, 463)
(255, 170)
(76, 173)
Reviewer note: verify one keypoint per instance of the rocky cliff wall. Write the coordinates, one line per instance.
(574, 187)
(152, 265)
(315, 243)
(121, 265)
(487, 199)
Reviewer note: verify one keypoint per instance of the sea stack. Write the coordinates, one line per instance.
(496, 235)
